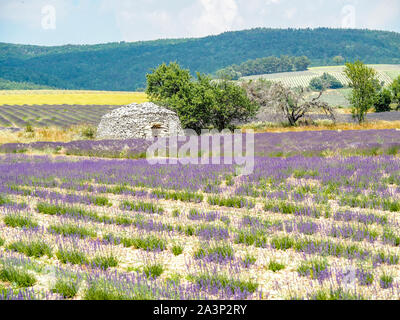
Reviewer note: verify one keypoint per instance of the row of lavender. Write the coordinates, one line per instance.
(320, 143)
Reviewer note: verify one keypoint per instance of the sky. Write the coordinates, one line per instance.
(58, 22)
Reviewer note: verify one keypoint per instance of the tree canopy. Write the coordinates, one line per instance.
(199, 102)
(264, 66)
(364, 85)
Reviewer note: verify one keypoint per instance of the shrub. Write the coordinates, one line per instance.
(153, 270)
(325, 81)
(35, 249)
(141, 207)
(72, 257)
(386, 281)
(4, 200)
(101, 289)
(223, 281)
(145, 243)
(101, 201)
(313, 268)
(251, 237)
(88, 132)
(185, 196)
(282, 243)
(249, 260)
(337, 294)
(18, 276)
(383, 101)
(177, 250)
(275, 266)
(68, 288)
(218, 251)
(105, 262)
(17, 220)
(72, 230)
(233, 202)
(60, 210)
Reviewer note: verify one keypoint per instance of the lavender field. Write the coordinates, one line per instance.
(317, 219)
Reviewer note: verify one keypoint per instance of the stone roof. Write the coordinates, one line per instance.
(135, 110)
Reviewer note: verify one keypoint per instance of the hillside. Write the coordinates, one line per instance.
(123, 66)
(385, 73)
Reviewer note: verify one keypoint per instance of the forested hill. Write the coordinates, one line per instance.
(123, 66)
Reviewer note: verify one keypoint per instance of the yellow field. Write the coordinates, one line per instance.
(60, 97)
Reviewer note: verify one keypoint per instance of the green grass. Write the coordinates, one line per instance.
(141, 206)
(386, 281)
(223, 251)
(19, 221)
(185, 196)
(153, 270)
(101, 201)
(257, 238)
(16, 276)
(106, 290)
(105, 262)
(177, 249)
(313, 268)
(146, 243)
(249, 260)
(35, 249)
(4, 200)
(275, 266)
(282, 243)
(223, 281)
(72, 230)
(59, 210)
(74, 257)
(337, 294)
(232, 202)
(68, 288)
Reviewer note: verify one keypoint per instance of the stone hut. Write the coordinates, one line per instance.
(139, 121)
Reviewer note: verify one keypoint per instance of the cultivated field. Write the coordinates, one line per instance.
(42, 108)
(386, 73)
(52, 115)
(317, 219)
(65, 97)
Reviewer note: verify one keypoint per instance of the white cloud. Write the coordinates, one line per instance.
(216, 17)
(132, 20)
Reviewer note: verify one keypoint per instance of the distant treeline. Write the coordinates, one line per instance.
(12, 85)
(264, 66)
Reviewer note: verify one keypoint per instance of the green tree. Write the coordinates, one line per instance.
(363, 82)
(338, 60)
(395, 88)
(326, 81)
(302, 63)
(199, 103)
(167, 81)
(232, 105)
(228, 73)
(383, 101)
